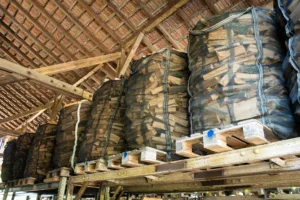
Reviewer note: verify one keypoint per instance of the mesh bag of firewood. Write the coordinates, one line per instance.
(156, 101)
(104, 133)
(291, 72)
(66, 142)
(40, 154)
(8, 161)
(287, 12)
(24, 143)
(236, 73)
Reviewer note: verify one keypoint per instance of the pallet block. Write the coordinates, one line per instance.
(54, 175)
(246, 133)
(145, 155)
(93, 166)
(114, 162)
(22, 182)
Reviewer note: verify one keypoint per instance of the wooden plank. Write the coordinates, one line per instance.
(81, 191)
(45, 80)
(78, 64)
(246, 155)
(131, 54)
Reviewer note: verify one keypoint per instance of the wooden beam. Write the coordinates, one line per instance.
(28, 112)
(73, 65)
(99, 21)
(81, 191)
(170, 9)
(240, 156)
(131, 54)
(45, 80)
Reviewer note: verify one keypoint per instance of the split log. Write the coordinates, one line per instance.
(8, 161)
(104, 133)
(236, 73)
(65, 137)
(24, 143)
(40, 154)
(156, 101)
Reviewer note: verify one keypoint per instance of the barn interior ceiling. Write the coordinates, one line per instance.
(41, 33)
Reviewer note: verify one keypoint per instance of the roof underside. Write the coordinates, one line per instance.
(46, 32)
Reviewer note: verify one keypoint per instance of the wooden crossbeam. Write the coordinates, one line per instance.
(28, 112)
(73, 65)
(81, 191)
(170, 9)
(45, 80)
(131, 54)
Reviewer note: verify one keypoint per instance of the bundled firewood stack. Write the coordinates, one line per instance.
(65, 137)
(40, 154)
(24, 144)
(156, 101)
(104, 133)
(236, 73)
(8, 161)
(287, 12)
(288, 19)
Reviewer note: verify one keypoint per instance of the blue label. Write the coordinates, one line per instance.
(125, 154)
(86, 163)
(210, 133)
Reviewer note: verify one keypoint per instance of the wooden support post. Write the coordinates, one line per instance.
(56, 108)
(116, 192)
(5, 195)
(131, 54)
(103, 193)
(61, 188)
(70, 190)
(45, 80)
(81, 191)
(13, 196)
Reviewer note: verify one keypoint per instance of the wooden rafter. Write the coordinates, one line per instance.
(131, 54)
(170, 9)
(111, 32)
(44, 79)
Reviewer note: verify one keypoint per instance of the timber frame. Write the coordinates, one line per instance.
(271, 165)
(58, 34)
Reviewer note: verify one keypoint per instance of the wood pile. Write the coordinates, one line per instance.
(24, 143)
(8, 161)
(236, 73)
(40, 154)
(288, 16)
(65, 137)
(156, 101)
(104, 134)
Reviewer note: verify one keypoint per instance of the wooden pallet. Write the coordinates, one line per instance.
(135, 158)
(54, 175)
(93, 166)
(21, 182)
(245, 134)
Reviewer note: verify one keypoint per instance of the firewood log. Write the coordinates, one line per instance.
(65, 137)
(156, 101)
(24, 143)
(8, 161)
(104, 132)
(236, 73)
(40, 154)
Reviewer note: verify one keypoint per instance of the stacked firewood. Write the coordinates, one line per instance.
(8, 161)
(40, 154)
(65, 137)
(156, 101)
(288, 19)
(24, 143)
(104, 134)
(236, 73)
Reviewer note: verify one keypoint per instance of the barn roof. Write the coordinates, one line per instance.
(41, 33)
